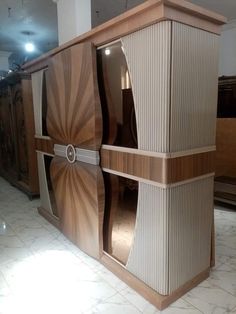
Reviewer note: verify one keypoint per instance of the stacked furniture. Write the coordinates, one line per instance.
(18, 163)
(225, 180)
(171, 52)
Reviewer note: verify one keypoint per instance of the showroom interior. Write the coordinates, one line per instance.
(117, 156)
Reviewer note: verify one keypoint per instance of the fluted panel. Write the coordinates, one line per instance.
(43, 186)
(148, 57)
(148, 258)
(37, 90)
(193, 87)
(190, 218)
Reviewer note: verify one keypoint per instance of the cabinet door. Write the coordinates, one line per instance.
(74, 118)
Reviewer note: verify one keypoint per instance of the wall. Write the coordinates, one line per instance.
(4, 60)
(74, 18)
(227, 65)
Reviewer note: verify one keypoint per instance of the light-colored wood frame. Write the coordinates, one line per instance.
(148, 13)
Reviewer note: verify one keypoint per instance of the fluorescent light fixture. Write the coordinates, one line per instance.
(107, 51)
(29, 47)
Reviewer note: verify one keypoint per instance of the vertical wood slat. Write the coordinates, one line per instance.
(148, 58)
(193, 87)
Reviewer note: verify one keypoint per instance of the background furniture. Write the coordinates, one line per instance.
(225, 180)
(17, 151)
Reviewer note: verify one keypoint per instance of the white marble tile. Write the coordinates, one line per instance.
(181, 307)
(117, 304)
(225, 277)
(137, 300)
(10, 242)
(9, 255)
(210, 299)
(4, 288)
(111, 279)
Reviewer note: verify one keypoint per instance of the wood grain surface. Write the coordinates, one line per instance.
(226, 147)
(79, 193)
(44, 145)
(74, 110)
(157, 169)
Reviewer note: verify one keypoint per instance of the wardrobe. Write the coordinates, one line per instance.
(125, 142)
(18, 163)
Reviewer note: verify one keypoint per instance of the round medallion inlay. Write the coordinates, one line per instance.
(70, 153)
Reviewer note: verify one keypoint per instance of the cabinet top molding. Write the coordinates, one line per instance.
(141, 16)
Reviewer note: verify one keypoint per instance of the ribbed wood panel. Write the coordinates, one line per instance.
(148, 258)
(37, 89)
(190, 219)
(43, 186)
(74, 110)
(193, 87)
(79, 193)
(148, 57)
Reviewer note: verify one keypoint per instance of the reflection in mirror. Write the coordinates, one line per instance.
(47, 162)
(44, 105)
(119, 120)
(120, 215)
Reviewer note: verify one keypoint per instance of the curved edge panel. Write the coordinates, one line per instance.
(43, 186)
(37, 90)
(79, 193)
(190, 221)
(148, 259)
(194, 88)
(148, 57)
(74, 110)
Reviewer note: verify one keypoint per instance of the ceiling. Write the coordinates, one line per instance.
(28, 20)
(39, 19)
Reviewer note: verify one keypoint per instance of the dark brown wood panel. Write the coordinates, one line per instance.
(44, 145)
(18, 162)
(79, 193)
(146, 167)
(74, 110)
(226, 147)
(191, 166)
(160, 170)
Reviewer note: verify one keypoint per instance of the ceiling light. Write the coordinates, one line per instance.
(107, 51)
(29, 47)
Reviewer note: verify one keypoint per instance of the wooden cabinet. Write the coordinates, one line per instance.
(131, 138)
(17, 151)
(225, 179)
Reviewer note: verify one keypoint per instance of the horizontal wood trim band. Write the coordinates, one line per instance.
(143, 15)
(164, 171)
(158, 300)
(146, 167)
(44, 145)
(188, 167)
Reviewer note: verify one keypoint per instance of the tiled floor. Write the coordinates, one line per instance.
(43, 273)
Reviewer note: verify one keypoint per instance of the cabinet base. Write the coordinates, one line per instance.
(158, 300)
